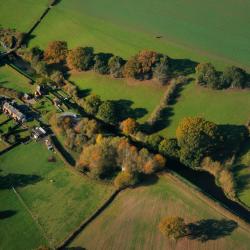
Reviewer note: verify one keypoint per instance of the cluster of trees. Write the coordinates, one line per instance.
(10, 38)
(112, 154)
(10, 93)
(231, 77)
(77, 133)
(145, 65)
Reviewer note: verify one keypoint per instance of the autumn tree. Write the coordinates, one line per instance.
(125, 179)
(141, 65)
(107, 112)
(129, 126)
(80, 58)
(197, 138)
(206, 75)
(56, 52)
(162, 70)
(173, 227)
(234, 77)
(57, 77)
(92, 103)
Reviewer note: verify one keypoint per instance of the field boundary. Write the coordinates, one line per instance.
(31, 214)
(87, 221)
(215, 204)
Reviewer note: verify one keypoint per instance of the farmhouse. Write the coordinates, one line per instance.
(13, 111)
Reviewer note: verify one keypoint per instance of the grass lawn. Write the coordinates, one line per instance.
(190, 29)
(144, 97)
(242, 174)
(59, 198)
(21, 15)
(131, 221)
(10, 78)
(222, 107)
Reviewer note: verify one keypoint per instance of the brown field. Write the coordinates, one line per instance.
(131, 222)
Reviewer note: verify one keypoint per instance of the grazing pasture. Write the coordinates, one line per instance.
(58, 198)
(21, 15)
(131, 221)
(141, 97)
(220, 106)
(10, 78)
(181, 29)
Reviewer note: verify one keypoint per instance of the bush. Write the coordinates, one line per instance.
(125, 179)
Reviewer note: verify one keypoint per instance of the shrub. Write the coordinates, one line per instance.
(125, 179)
(173, 227)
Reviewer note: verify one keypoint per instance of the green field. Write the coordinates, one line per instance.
(10, 78)
(21, 15)
(58, 198)
(242, 174)
(190, 29)
(219, 106)
(131, 222)
(143, 96)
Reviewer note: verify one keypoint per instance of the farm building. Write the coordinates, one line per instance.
(12, 111)
(38, 132)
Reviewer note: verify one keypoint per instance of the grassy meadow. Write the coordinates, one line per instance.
(21, 15)
(131, 221)
(190, 29)
(141, 97)
(10, 78)
(58, 198)
(220, 106)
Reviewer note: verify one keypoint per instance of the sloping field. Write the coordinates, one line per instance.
(188, 29)
(10, 78)
(58, 198)
(222, 107)
(141, 97)
(21, 15)
(131, 222)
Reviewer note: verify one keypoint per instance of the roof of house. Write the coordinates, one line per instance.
(14, 110)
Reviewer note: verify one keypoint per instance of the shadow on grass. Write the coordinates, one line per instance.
(75, 248)
(147, 180)
(6, 214)
(242, 180)
(210, 229)
(18, 180)
(183, 66)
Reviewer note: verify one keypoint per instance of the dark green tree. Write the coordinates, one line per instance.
(116, 64)
(162, 70)
(91, 104)
(107, 112)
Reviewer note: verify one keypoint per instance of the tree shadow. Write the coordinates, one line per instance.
(124, 110)
(243, 181)
(7, 213)
(210, 229)
(82, 93)
(183, 66)
(75, 248)
(18, 180)
(232, 137)
(55, 2)
(146, 180)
